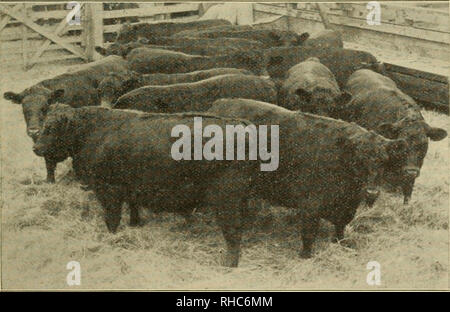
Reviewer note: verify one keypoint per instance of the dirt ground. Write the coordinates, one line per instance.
(46, 226)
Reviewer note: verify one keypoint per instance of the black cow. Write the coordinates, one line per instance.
(327, 167)
(144, 61)
(269, 37)
(193, 32)
(341, 62)
(117, 84)
(311, 87)
(123, 49)
(76, 88)
(126, 157)
(197, 96)
(194, 46)
(379, 105)
(134, 32)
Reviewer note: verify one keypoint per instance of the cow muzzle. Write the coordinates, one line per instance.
(371, 196)
(411, 173)
(33, 133)
(38, 150)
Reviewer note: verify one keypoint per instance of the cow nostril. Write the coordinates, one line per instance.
(33, 132)
(412, 173)
(373, 192)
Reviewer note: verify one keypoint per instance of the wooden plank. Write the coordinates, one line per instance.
(24, 40)
(416, 17)
(323, 15)
(43, 32)
(13, 62)
(431, 94)
(416, 73)
(423, 34)
(116, 27)
(57, 14)
(32, 48)
(145, 12)
(4, 22)
(12, 33)
(94, 28)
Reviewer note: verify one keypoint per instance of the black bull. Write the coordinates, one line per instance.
(77, 88)
(125, 157)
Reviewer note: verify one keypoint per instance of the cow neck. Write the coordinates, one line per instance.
(85, 122)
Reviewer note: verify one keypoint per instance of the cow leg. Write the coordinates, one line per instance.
(111, 198)
(229, 221)
(51, 167)
(309, 226)
(229, 192)
(339, 232)
(134, 214)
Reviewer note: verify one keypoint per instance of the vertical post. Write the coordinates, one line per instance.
(288, 20)
(24, 39)
(323, 15)
(93, 28)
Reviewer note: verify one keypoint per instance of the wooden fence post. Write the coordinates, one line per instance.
(93, 28)
(323, 15)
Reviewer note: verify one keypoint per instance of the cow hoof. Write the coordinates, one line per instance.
(50, 180)
(229, 262)
(84, 187)
(305, 254)
(139, 223)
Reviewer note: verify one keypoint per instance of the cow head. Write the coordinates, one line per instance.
(127, 33)
(369, 154)
(35, 102)
(416, 133)
(300, 39)
(320, 101)
(115, 85)
(55, 139)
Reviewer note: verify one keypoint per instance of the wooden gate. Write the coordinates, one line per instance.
(33, 33)
(47, 32)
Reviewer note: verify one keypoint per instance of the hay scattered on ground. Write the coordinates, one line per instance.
(46, 226)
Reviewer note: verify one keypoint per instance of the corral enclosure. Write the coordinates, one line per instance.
(46, 226)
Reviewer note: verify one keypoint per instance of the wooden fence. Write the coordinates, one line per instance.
(35, 33)
(413, 42)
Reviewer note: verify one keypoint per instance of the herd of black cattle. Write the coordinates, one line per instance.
(345, 128)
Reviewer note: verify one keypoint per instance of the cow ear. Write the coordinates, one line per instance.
(389, 130)
(16, 98)
(55, 96)
(124, 51)
(144, 40)
(304, 95)
(397, 149)
(303, 37)
(344, 98)
(436, 134)
(100, 50)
